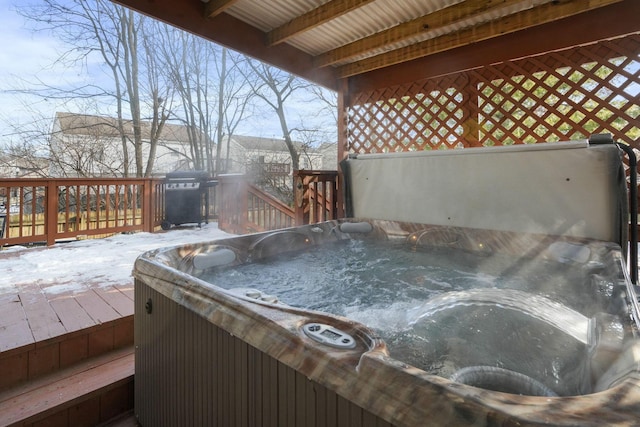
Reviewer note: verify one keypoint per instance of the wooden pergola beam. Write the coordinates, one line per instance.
(312, 19)
(214, 8)
(542, 14)
(421, 26)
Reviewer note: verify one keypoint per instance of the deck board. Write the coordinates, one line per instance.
(71, 314)
(126, 289)
(39, 312)
(65, 388)
(118, 300)
(42, 318)
(14, 325)
(95, 307)
(50, 324)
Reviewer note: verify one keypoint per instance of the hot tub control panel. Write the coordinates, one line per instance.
(329, 335)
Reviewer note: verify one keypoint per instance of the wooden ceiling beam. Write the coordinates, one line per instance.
(214, 8)
(419, 26)
(231, 32)
(313, 18)
(538, 15)
(605, 23)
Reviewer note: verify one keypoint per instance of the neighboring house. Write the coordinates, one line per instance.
(271, 154)
(329, 153)
(268, 161)
(12, 166)
(86, 145)
(18, 167)
(268, 164)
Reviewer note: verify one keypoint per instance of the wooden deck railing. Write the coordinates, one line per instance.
(49, 210)
(244, 208)
(317, 196)
(265, 212)
(46, 210)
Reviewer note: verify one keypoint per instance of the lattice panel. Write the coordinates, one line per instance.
(564, 95)
(568, 96)
(407, 118)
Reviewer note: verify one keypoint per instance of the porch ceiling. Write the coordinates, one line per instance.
(329, 40)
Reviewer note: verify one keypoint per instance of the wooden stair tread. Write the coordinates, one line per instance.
(127, 419)
(66, 387)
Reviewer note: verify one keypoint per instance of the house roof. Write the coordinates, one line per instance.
(259, 143)
(329, 40)
(256, 143)
(103, 126)
(10, 165)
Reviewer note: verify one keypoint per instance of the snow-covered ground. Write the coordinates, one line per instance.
(68, 266)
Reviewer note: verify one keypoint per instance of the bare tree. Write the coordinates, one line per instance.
(328, 99)
(213, 95)
(274, 87)
(26, 141)
(157, 73)
(100, 27)
(75, 148)
(19, 159)
(235, 96)
(160, 93)
(186, 65)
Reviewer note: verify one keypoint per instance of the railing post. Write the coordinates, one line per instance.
(51, 229)
(339, 201)
(148, 204)
(301, 197)
(243, 194)
(222, 207)
(317, 196)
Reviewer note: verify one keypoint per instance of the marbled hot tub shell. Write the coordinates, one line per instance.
(206, 355)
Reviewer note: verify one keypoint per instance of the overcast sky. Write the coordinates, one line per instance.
(27, 57)
(23, 55)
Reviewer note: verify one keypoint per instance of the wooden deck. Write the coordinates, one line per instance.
(33, 314)
(47, 327)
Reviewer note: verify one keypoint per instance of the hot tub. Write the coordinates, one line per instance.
(216, 346)
(468, 287)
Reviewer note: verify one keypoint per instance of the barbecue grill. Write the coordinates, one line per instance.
(186, 198)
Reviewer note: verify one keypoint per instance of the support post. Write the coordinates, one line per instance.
(51, 228)
(301, 197)
(148, 214)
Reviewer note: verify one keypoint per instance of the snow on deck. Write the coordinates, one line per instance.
(69, 266)
(47, 292)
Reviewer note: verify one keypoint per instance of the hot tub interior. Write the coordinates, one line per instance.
(447, 299)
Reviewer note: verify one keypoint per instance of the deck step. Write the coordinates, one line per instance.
(43, 358)
(85, 394)
(128, 419)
